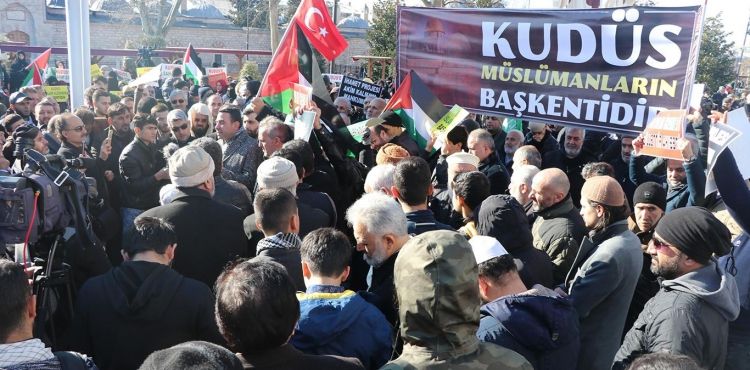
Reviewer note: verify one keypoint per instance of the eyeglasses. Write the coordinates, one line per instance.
(178, 101)
(180, 128)
(76, 129)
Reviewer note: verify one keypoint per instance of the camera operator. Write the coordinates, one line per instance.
(27, 137)
(18, 347)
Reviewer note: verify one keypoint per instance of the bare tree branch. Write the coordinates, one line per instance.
(171, 17)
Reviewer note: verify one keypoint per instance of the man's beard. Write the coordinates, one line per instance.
(572, 152)
(377, 258)
(200, 131)
(510, 150)
(493, 130)
(667, 272)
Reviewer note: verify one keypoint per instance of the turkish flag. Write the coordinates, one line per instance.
(315, 22)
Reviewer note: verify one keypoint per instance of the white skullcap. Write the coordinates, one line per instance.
(486, 248)
(463, 158)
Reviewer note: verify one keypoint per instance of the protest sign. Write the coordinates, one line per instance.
(302, 96)
(216, 70)
(696, 95)
(218, 80)
(150, 76)
(62, 74)
(450, 120)
(609, 69)
(662, 134)
(59, 93)
(96, 71)
(719, 138)
(122, 75)
(740, 146)
(166, 70)
(303, 125)
(140, 71)
(335, 78)
(357, 90)
(355, 131)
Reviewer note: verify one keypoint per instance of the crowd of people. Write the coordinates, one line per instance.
(228, 244)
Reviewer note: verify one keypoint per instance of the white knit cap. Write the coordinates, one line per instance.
(463, 158)
(277, 172)
(486, 248)
(190, 166)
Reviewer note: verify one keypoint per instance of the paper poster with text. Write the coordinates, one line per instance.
(608, 69)
(302, 96)
(445, 124)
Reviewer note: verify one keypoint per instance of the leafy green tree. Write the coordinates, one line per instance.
(716, 59)
(382, 34)
(253, 13)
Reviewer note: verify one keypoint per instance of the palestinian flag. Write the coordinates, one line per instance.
(417, 106)
(36, 69)
(294, 62)
(191, 65)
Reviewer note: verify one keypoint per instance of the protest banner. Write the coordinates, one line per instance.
(357, 90)
(150, 76)
(140, 71)
(59, 93)
(96, 71)
(302, 96)
(216, 70)
(662, 134)
(609, 69)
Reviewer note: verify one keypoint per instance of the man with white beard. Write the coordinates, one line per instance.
(513, 141)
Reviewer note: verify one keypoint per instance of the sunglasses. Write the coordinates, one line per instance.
(659, 243)
(76, 129)
(180, 128)
(178, 101)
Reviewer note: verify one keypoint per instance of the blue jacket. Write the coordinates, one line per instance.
(538, 324)
(334, 321)
(691, 193)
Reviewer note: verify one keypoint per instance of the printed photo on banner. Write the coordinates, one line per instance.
(662, 134)
(609, 69)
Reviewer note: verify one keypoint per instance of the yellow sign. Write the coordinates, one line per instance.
(95, 71)
(140, 71)
(59, 93)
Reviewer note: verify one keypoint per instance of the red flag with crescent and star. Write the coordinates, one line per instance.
(315, 22)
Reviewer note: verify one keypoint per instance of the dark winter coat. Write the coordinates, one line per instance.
(289, 358)
(424, 221)
(209, 233)
(240, 159)
(547, 145)
(601, 285)
(138, 164)
(538, 324)
(689, 316)
(503, 218)
(284, 249)
(138, 308)
(234, 194)
(496, 173)
(558, 230)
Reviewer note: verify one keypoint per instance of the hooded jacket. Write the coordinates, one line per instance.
(334, 321)
(438, 294)
(138, 308)
(558, 230)
(538, 324)
(503, 218)
(690, 316)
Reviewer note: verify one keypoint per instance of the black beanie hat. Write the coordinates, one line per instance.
(651, 193)
(192, 355)
(696, 232)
